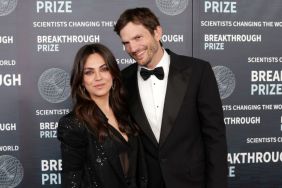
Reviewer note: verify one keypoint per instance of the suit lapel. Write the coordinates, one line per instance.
(136, 107)
(178, 80)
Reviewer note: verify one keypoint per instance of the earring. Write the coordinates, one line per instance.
(83, 90)
(114, 85)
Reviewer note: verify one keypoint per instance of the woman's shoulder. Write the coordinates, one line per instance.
(72, 132)
(70, 120)
(68, 116)
(70, 126)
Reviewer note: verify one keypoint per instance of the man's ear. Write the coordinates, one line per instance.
(158, 33)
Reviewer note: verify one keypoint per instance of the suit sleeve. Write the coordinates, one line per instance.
(213, 129)
(73, 150)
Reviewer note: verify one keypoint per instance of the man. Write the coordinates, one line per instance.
(178, 108)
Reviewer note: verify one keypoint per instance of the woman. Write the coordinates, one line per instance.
(99, 142)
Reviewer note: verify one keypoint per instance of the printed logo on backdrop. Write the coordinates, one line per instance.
(7, 6)
(51, 169)
(172, 7)
(11, 171)
(53, 85)
(225, 81)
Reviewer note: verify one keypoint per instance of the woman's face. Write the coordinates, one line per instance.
(97, 78)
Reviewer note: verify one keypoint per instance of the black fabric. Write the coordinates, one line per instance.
(127, 151)
(158, 72)
(192, 149)
(87, 163)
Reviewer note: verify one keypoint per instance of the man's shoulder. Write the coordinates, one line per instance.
(129, 71)
(184, 60)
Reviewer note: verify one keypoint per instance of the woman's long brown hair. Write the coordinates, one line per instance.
(85, 108)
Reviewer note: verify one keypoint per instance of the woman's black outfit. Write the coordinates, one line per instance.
(87, 163)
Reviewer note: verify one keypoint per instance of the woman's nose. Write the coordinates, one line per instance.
(97, 76)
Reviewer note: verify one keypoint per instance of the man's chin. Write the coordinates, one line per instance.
(142, 63)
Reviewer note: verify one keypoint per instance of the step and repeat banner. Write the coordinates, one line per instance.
(38, 42)
(242, 41)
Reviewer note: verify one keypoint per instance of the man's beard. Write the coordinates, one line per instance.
(149, 53)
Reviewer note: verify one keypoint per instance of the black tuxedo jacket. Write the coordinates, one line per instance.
(192, 151)
(89, 164)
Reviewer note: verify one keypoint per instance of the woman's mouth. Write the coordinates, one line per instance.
(99, 86)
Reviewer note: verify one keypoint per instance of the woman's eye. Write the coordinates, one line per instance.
(88, 72)
(104, 69)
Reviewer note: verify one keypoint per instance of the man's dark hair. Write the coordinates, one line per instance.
(143, 16)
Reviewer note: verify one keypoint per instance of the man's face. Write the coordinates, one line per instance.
(141, 45)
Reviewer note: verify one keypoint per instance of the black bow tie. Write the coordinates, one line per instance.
(158, 72)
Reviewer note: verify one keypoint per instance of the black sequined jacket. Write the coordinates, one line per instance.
(86, 163)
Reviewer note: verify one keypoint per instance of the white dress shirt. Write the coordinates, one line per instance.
(152, 93)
